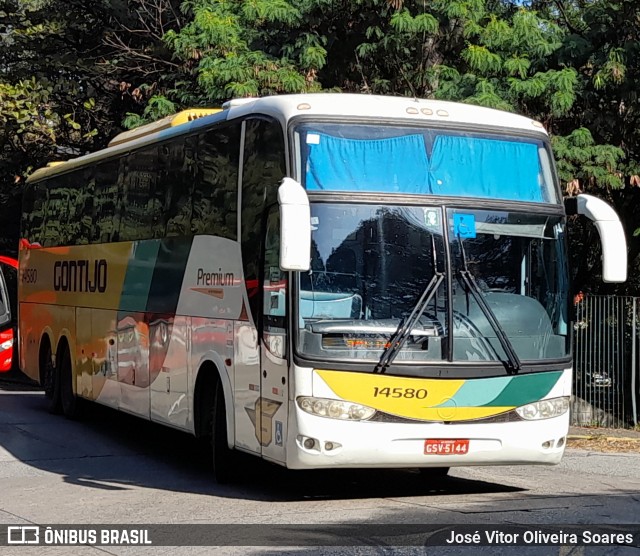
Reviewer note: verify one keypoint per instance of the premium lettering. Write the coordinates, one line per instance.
(215, 278)
(80, 276)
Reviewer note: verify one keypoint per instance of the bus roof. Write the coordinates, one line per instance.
(164, 123)
(383, 107)
(285, 107)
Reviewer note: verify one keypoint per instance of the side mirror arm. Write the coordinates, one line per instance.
(612, 238)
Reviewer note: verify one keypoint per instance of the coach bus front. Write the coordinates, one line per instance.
(432, 326)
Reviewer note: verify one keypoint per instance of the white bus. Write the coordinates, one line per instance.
(318, 280)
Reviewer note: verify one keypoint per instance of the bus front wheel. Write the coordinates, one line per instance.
(225, 466)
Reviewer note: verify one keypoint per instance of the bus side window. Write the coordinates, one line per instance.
(33, 212)
(215, 197)
(274, 288)
(175, 186)
(108, 185)
(263, 170)
(139, 208)
(57, 211)
(77, 228)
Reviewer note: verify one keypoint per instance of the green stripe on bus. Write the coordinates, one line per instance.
(523, 389)
(137, 281)
(168, 275)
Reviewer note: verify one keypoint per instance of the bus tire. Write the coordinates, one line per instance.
(69, 401)
(49, 379)
(225, 465)
(433, 473)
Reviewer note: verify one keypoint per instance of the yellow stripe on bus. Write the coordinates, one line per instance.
(413, 398)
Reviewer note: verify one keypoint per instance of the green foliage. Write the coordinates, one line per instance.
(25, 113)
(584, 165)
(517, 66)
(47, 53)
(403, 22)
(158, 107)
(228, 48)
(481, 59)
(613, 70)
(72, 72)
(271, 11)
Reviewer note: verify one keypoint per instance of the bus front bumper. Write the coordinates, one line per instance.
(322, 443)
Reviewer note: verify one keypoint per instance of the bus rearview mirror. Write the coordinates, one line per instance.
(612, 238)
(295, 226)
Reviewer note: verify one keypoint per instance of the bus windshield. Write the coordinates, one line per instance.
(393, 159)
(371, 264)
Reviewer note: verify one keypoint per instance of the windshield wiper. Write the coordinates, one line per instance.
(513, 361)
(406, 326)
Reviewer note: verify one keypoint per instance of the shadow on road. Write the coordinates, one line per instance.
(110, 450)
(14, 380)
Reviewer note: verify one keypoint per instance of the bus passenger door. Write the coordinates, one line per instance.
(273, 363)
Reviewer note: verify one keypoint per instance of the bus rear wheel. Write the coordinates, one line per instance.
(50, 380)
(68, 399)
(225, 460)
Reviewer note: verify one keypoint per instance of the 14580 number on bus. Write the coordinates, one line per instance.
(419, 393)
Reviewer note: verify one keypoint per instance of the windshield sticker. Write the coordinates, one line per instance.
(464, 225)
(313, 139)
(431, 217)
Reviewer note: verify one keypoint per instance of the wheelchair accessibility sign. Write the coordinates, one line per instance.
(278, 438)
(464, 225)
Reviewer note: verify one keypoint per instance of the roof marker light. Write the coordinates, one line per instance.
(304, 106)
(427, 111)
(442, 113)
(412, 110)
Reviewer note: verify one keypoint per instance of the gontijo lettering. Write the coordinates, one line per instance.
(80, 276)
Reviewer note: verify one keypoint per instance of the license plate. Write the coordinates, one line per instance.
(446, 447)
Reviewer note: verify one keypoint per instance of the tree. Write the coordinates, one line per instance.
(566, 65)
(602, 44)
(73, 71)
(61, 93)
(222, 50)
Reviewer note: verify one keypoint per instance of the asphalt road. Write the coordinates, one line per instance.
(111, 468)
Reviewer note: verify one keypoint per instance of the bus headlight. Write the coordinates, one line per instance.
(335, 409)
(544, 409)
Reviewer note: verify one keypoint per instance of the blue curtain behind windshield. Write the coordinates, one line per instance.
(473, 167)
(394, 165)
(459, 166)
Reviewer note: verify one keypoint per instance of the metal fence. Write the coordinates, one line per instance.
(605, 361)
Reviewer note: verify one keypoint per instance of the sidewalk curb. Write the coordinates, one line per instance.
(600, 437)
